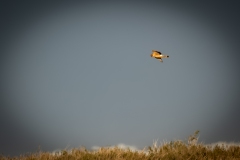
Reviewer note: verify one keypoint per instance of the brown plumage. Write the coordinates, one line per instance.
(158, 55)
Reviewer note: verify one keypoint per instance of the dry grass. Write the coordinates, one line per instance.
(174, 150)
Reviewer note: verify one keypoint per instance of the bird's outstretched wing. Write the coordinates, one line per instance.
(156, 51)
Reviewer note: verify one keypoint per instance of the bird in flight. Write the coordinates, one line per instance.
(158, 55)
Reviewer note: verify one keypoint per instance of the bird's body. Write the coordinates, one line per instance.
(158, 55)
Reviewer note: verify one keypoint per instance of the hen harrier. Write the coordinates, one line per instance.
(158, 55)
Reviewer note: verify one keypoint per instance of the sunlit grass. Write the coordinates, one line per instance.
(173, 150)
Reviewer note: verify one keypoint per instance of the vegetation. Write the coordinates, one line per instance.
(174, 150)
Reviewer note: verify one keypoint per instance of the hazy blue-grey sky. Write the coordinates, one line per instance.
(80, 73)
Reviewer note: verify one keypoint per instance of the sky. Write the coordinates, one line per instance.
(80, 73)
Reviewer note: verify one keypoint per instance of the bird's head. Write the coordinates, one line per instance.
(151, 55)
